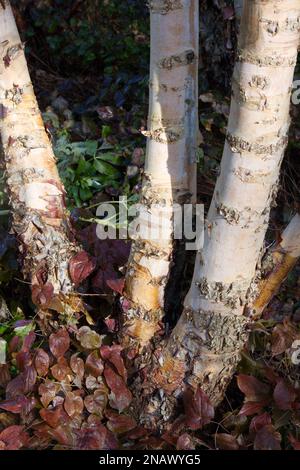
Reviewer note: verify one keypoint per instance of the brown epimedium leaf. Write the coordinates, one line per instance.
(41, 362)
(61, 370)
(120, 396)
(13, 438)
(54, 416)
(96, 403)
(59, 342)
(198, 409)
(113, 355)
(259, 422)
(73, 404)
(117, 285)
(81, 266)
(284, 395)
(48, 391)
(42, 295)
(94, 364)
(254, 389)
(267, 438)
(77, 365)
(119, 423)
(185, 442)
(226, 441)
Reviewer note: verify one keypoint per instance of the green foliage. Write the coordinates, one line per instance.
(87, 167)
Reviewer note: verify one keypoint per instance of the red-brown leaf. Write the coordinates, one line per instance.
(96, 403)
(198, 409)
(14, 437)
(117, 285)
(251, 408)
(267, 438)
(42, 294)
(29, 376)
(61, 370)
(41, 362)
(259, 422)
(94, 364)
(284, 395)
(15, 387)
(23, 359)
(28, 341)
(77, 365)
(119, 424)
(226, 442)
(4, 375)
(185, 442)
(120, 396)
(96, 438)
(73, 404)
(48, 391)
(113, 355)
(254, 389)
(81, 266)
(14, 405)
(59, 342)
(283, 336)
(54, 416)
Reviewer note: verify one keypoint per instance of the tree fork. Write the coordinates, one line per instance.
(204, 347)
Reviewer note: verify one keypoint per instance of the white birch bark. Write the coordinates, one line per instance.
(170, 160)
(36, 193)
(205, 346)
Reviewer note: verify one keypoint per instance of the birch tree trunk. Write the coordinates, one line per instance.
(36, 193)
(276, 265)
(170, 175)
(204, 348)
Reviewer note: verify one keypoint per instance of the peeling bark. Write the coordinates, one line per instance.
(37, 196)
(205, 346)
(170, 161)
(276, 265)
